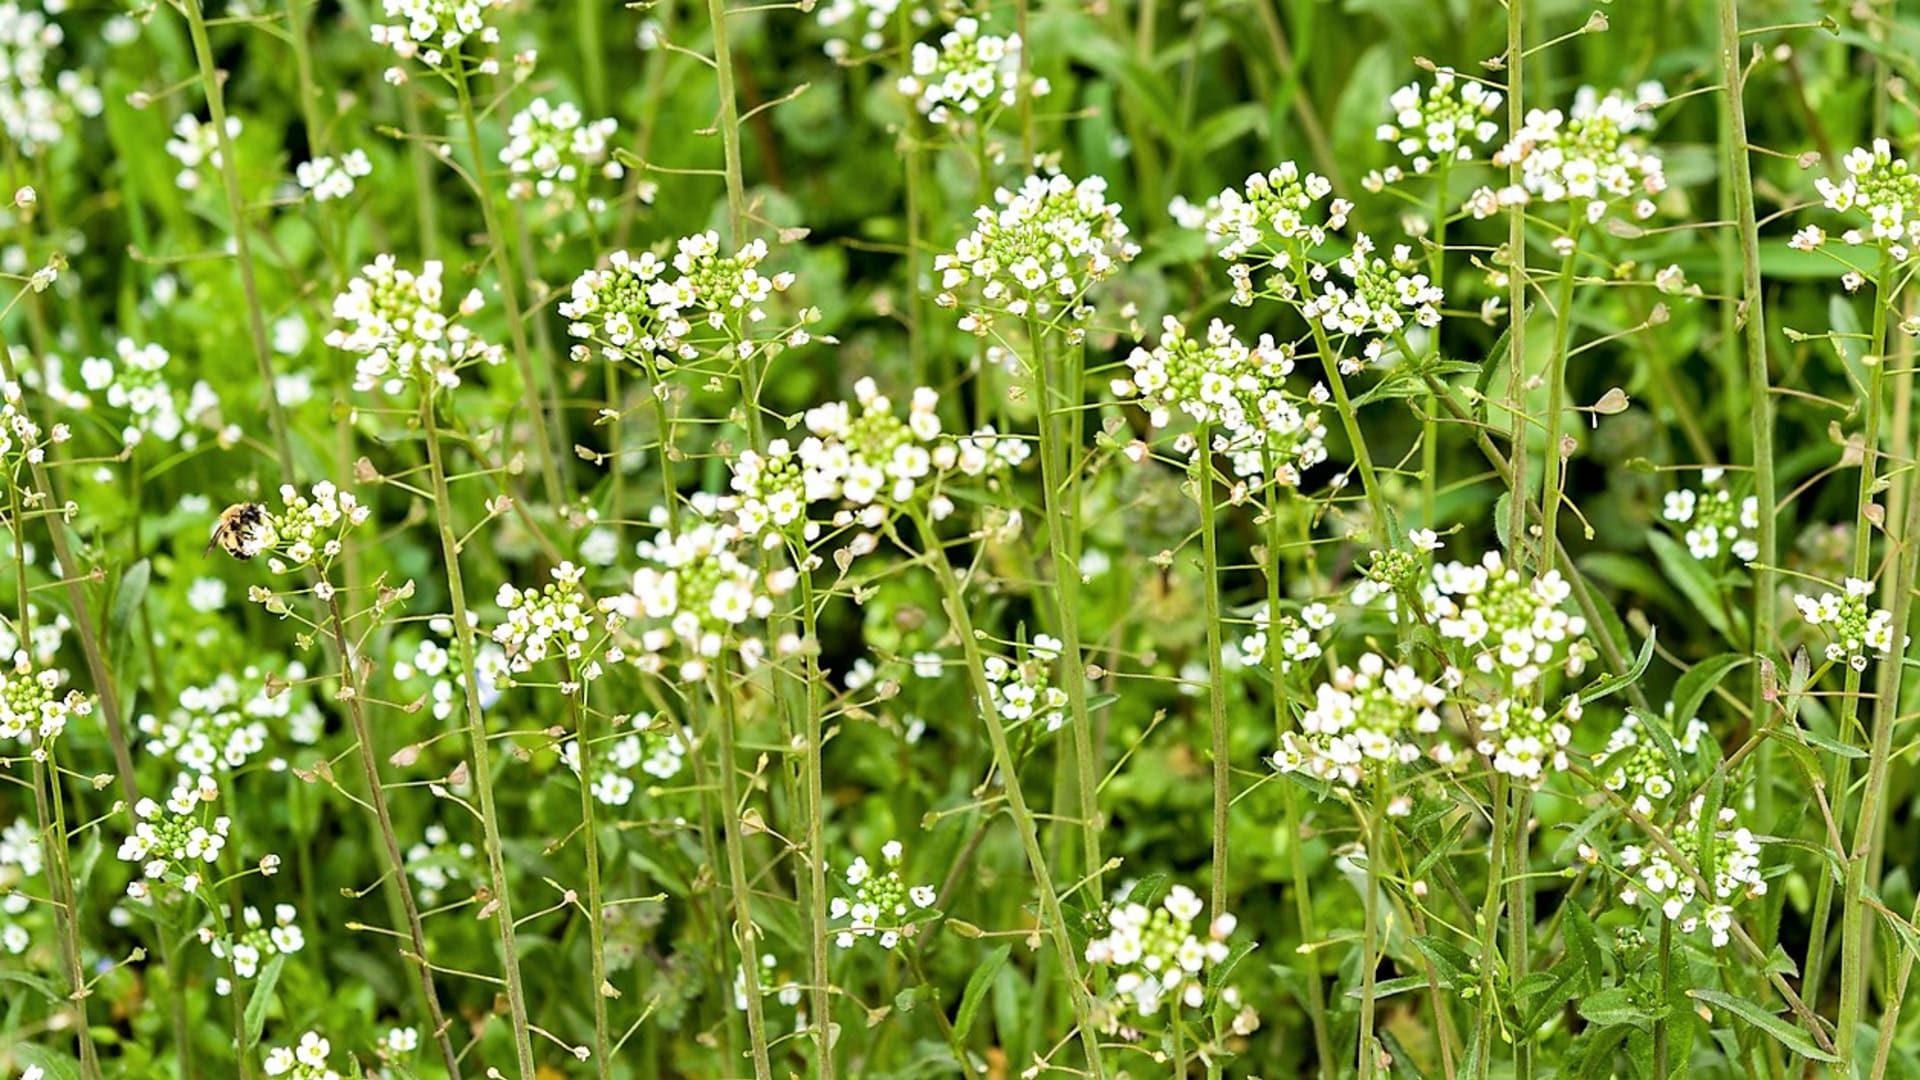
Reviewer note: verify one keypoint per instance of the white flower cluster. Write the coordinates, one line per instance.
(1038, 253)
(430, 29)
(1296, 636)
(1735, 874)
(556, 620)
(169, 838)
(329, 178)
(660, 756)
(1513, 630)
(1272, 213)
(134, 379)
(436, 863)
(1634, 764)
(550, 148)
(433, 661)
(643, 309)
(1713, 522)
(859, 454)
(20, 858)
(35, 111)
(1443, 122)
(1514, 626)
(195, 144)
(308, 528)
(1158, 956)
(865, 22)
(33, 711)
(20, 435)
(695, 596)
(1240, 391)
(882, 907)
(970, 72)
(227, 721)
(48, 633)
(1589, 155)
(1855, 626)
(307, 1061)
(1884, 189)
(255, 942)
(1365, 720)
(1383, 297)
(1023, 690)
(395, 323)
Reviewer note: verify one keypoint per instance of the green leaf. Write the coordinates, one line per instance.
(1453, 967)
(1782, 1032)
(1691, 691)
(1583, 942)
(1614, 683)
(1830, 745)
(976, 990)
(1616, 1005)
(1387, 988)
(55, 1064)
(254, 1020)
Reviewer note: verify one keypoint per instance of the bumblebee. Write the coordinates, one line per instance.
(243, 531)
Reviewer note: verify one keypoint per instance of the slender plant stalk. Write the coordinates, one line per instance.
(820, 989)
(1060, 480)
(1857, 936)
(530, 386)
(1489, 926)
(1517, 295)
(1370, 944)
(1520, 918)
(66, 912)
(390, 840)
(1349, 418)
(577, 719)
(1017, 808)
(213, 83)
(1666, 995)
(477, 744)
(1840, 768)
(1554, 479)
(1216, 670)
(748, 935)
(729, 122)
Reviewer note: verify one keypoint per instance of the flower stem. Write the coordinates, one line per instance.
(1515, 59)
(577, 719)
(1555, 479)
(477, 742)
(1369, 943)
(816, 829)
(509, 292)
(737, 876)
(729, 122)
(1666, 994)
(1519, 917)
(1060, 480)
(1489, 927)
(1017, 808)
(1216, 670)
(396, 862)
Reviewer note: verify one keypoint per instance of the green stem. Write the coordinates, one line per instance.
(477, 744)
(1370, 944)
(1216, 670)
(1519, 919)
(1516, 292)
(816, 831)
(1555, 479)
(729, 122)
(748, 936)
(396, 861)
(509, 293)
(1666, 995)
(1489, 927)
(1060, 480)
(1023, 821)
(577, 719)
